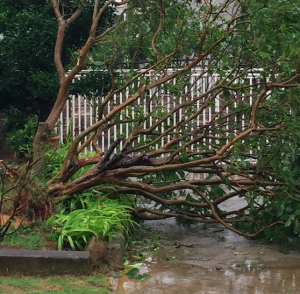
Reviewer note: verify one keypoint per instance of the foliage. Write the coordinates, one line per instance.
(142, 242)
(99, 216)
(28, 31)
(54, 158)
(93, 84)
(20, 139)
(133, 38)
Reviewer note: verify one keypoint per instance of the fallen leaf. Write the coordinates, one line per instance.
(165, 258)
(136, 265)
(241, 253)
(133, 274)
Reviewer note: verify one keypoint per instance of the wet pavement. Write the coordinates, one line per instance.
(213, 260)
(181, 279)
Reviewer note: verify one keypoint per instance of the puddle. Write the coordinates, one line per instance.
(249, 264)
(183, 279)
(213, 260)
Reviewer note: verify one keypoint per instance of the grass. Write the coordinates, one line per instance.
(55, 284)
(33, 236)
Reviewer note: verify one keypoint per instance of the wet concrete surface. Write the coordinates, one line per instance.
(213, 260)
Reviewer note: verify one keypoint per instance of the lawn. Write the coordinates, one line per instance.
(96, 283)
(34, 236)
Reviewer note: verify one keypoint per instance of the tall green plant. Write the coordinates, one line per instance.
(101, 217)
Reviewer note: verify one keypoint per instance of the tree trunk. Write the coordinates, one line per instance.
(39, 144)
(45, 108)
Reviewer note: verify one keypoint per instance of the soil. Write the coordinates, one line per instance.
(12, 289)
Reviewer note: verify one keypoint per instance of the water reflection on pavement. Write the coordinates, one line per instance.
(214, 261)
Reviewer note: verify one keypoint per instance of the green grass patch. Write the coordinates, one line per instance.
(55, 284)
(33, 236)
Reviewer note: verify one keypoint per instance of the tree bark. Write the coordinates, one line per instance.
(40, 142)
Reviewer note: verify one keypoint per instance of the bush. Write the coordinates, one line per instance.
(19, 139)
(99, 216)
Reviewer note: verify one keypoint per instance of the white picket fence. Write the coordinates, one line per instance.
(80, 112)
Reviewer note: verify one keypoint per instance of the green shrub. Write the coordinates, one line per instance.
(99, 216)
(54, 157)
(19, 139)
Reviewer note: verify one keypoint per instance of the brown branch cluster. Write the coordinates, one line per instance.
(192, 124)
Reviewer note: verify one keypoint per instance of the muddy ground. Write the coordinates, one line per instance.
(214, 260)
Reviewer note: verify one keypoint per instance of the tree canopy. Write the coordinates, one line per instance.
(28, 74)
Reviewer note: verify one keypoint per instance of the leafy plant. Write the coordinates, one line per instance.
(20, 139)
(101, 217)
(53, 159)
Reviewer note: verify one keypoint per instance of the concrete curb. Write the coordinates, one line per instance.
(52, 262)
(44, 262)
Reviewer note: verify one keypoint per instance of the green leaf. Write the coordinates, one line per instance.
(228, 183)
(60, 242)
(71, 242)
(50, 220)
(243, 163)
(268, 232)
(133, 274)
(284, 217)
(288, 223)
(263, 54)
(136, 264)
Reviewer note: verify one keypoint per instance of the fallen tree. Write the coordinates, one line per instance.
(231, 130)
